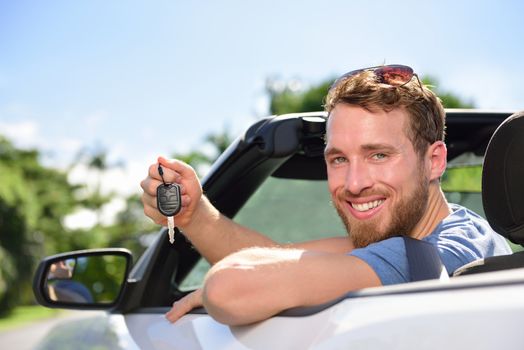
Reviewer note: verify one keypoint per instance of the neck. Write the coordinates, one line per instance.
(437, 209)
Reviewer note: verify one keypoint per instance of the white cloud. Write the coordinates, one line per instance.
(82, 219)
(28, 134)
(110, 210)
(122, 181)
(86, 218)
(261, 106)
(23, 134)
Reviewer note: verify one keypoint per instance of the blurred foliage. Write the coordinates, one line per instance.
(200, 160)
(462, 179)
(33, 202)
(131, 228)
(23, 315)
(449, 99)
(95, 160)
(284, 98)
(288, 100)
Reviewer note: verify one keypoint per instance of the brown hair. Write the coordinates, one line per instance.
(425, 110)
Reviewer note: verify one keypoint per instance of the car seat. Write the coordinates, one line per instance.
(503, 193)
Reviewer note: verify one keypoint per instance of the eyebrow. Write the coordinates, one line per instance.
(378, 146)
(367, 147)
(331, 150)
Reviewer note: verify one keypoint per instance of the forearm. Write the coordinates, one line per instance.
(255, 284)
(216, 236)
(238, 289)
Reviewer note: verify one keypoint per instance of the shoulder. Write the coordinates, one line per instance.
(387, 258)
(465, 226)
(464, 236)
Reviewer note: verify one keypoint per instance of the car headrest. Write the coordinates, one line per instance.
(503, 179)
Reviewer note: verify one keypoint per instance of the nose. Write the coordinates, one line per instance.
(358, 177)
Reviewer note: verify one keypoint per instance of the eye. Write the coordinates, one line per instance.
(338, 160)
(379, 156)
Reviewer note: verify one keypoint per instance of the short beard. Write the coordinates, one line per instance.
(405, 217)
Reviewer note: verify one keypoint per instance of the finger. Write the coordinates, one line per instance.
(153, 172)
(149, 186)
(184, 305)
(186, 201)
(179, 309)
(170, 176)
(155, 215)
(176, 165)
(149, 201)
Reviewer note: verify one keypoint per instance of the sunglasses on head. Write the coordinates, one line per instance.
(393, 74)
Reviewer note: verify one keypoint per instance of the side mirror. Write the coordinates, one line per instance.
(86, 279)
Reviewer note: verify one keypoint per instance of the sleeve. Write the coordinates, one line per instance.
(387, 258)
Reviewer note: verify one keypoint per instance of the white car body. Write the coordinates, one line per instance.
(483, 311)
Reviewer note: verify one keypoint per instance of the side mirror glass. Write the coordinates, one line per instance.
(93, 278)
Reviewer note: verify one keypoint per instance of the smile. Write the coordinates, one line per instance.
(367, 206)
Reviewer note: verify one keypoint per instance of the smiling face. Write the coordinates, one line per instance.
(377, 181)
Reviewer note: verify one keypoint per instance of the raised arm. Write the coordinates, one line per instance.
(214, 235)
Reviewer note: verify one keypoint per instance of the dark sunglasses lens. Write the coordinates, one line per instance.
(394, 75)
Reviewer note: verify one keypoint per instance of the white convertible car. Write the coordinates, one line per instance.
(480, 307)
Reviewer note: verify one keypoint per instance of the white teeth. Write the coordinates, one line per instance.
(367, 206)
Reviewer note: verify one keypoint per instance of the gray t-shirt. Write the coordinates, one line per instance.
(462, 237)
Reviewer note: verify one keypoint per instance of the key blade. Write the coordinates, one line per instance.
(171, 229)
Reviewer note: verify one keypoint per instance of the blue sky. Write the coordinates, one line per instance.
(143, 78)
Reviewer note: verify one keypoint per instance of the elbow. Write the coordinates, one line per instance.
(240, 289)
(226, 298)
(221, 298)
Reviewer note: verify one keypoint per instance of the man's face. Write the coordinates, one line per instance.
(376, 180)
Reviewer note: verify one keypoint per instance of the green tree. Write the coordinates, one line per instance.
(220, 141)
(95, 160)
(198, 159)
(33, 202)
(286, 99)
(449, 99)
(290, 100)
(131, 228)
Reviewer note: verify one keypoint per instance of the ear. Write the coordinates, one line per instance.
(437, 157)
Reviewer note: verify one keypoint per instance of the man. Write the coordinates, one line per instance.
(385, 155)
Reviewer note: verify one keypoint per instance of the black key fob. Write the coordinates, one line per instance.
(168, 199)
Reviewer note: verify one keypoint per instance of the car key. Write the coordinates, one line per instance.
(168, 202)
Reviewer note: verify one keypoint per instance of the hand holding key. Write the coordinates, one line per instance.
(174, 172)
